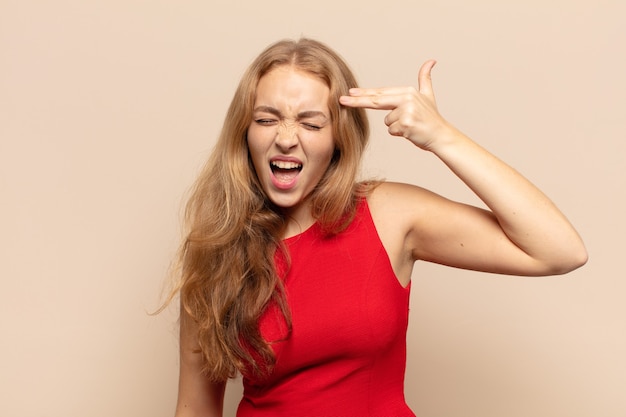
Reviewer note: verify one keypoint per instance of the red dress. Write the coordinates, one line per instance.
(346, 354)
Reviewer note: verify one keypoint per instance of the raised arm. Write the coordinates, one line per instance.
(523, 234)
(197, 395)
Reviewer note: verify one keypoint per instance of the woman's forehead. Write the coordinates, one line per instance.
(288, 88)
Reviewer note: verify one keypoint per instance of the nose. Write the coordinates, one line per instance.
(286, 136)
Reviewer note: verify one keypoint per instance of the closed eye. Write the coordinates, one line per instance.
(265, 122)
(311, 126)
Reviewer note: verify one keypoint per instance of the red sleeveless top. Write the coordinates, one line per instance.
(346, 354)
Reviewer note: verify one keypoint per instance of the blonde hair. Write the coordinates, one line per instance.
(227, 275)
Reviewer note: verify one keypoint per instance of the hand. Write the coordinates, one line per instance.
(413, 112)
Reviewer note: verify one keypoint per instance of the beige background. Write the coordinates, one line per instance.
(108, 108)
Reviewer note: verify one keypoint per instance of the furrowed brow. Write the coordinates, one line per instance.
(270, 110)
(311, 114)
(308, 114)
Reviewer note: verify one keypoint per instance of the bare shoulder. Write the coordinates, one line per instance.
(397, 202)
(408, 208)
(416, 223)
(396, 208)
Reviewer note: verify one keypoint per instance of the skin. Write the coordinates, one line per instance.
(291, 124)
(522, 233)
(197, 395)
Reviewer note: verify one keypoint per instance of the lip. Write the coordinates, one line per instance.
(285, 159)
(281, 185)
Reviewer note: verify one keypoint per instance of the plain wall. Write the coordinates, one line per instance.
(109, 108)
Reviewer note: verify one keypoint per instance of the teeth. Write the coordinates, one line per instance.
(286, 165)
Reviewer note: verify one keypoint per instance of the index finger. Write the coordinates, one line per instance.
(373, 98)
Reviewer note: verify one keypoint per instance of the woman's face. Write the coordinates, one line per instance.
(290, 136)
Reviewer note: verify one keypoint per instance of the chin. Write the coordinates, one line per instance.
(286, 202)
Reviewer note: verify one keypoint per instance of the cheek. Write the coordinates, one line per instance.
(255, 142)
(260, 137)
(329, 149)
(254, 154)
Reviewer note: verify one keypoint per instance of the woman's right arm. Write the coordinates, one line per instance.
(197, 394)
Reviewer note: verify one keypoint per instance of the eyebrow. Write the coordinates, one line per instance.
(302, 115)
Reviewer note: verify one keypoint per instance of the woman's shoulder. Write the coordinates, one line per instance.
(394, 196)
(403, 206)
(397, 209)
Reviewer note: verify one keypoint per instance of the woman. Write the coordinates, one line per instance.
(297, 276)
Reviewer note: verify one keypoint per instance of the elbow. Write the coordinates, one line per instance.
(579, 259)
(572, 260)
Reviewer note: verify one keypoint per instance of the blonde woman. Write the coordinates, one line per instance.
(297, 277)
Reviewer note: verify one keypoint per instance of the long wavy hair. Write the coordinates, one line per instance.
(226, 274)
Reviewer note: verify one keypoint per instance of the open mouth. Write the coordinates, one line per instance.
(285, 171)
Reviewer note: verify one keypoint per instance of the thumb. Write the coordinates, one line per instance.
(424, 81)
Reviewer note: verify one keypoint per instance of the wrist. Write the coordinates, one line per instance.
(445, 137)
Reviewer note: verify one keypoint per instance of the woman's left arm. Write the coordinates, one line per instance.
(532, 229)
